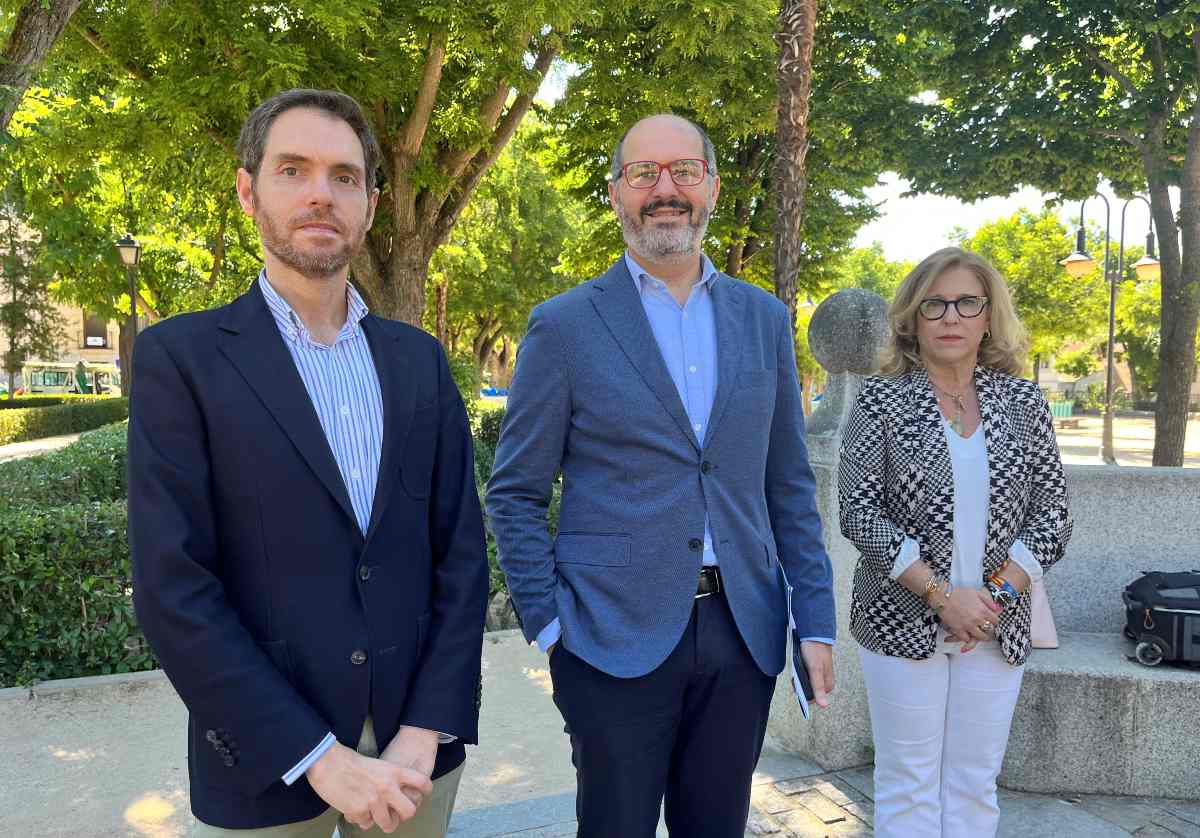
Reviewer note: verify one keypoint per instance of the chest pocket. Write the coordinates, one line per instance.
(420, 452)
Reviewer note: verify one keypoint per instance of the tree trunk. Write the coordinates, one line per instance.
(38, 26)
(797, 31)
(485, 339)
(1037, 369)
(1180, 295)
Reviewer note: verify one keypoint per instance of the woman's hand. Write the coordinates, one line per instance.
(965, 611)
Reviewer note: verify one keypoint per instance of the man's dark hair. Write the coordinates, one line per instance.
(252, 141)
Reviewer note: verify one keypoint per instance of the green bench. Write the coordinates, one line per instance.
(1063, 413)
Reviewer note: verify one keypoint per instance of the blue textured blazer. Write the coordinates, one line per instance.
(592, 398)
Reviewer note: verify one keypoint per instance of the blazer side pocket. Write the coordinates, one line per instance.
(603, 549)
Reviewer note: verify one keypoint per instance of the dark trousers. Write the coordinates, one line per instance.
(691, 732)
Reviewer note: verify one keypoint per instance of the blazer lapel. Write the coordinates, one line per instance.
(728, 304)
(617, 302)
(927, 439)
(397, 390)
(997, 432)
(250, 339)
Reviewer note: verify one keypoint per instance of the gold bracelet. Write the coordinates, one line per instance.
(945, 588)
(931, 585)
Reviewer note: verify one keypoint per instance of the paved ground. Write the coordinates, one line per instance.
(110, 760)
(1133, 439)
(17, 450)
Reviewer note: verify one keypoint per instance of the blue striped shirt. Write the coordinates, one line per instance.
(344, 388)
(343, 385)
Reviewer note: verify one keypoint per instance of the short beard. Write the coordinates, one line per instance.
(314, 265)
(664, 244)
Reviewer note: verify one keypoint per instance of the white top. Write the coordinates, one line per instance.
(968, 461)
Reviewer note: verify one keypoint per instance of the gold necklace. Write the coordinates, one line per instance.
(957, 422)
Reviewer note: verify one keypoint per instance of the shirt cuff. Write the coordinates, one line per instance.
(443, 738)
(828, 641)
(550, 635)
(313, 755)
(910, 551)
(1022, 555)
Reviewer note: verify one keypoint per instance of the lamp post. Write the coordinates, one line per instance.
(131, 254)
(1080, 263)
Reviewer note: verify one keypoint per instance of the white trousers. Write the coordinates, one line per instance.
(940, 728)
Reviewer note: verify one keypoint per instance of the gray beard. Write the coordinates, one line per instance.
(663, 243)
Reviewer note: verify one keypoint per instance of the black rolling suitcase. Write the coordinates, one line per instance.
(1162, 615)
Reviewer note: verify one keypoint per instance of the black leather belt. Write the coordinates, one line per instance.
(710, 582)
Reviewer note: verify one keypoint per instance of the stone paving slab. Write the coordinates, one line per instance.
(106, 757)
(840, 804)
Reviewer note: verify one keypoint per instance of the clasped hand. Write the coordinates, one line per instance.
(965, 612)
(379, 792)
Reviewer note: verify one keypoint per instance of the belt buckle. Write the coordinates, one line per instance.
(716, 579)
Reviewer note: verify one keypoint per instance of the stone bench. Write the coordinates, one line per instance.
(1091, 721)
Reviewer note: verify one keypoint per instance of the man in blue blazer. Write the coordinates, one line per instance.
(666, 394)
(308, 554)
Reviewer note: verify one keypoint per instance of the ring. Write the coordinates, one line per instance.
(985, 626)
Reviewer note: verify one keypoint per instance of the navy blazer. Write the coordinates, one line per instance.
(592, 398)
(272, 615)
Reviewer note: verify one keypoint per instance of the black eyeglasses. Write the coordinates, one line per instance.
(935, 308)
(644, 174)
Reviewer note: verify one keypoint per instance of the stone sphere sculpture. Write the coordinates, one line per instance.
(848, 331)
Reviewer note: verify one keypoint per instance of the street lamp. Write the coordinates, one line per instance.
(1080, 263)
(131, 254)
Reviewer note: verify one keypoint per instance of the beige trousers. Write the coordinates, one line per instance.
(431, 821)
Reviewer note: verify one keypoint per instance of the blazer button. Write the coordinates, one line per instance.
(358, 657)
(364, 573)
(695, 545)
(706, 467)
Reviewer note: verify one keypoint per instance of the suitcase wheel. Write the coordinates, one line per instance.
(1150, 652)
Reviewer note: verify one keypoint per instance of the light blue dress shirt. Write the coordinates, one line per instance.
(687, 338)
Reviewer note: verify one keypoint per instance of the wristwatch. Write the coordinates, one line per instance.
(1002, 591)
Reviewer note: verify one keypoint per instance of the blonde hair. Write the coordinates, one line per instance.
(1004, 346)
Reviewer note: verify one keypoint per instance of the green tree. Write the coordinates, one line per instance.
(867, 267)
(502, 257)
(30, 32)
(446, 86)
(28, 317)
(1079, 363)
(721, 74)
(1056, 309)
(1058, 96)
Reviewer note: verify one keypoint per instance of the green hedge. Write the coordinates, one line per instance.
(90, 469)
(38, 422)
(67, 608)
(48, 400)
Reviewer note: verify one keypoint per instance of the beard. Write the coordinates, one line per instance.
(315, 263)
(663, 242)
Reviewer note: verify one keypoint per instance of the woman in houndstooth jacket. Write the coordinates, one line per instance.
(951, 486)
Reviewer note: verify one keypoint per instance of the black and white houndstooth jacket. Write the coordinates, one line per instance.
(895, 480)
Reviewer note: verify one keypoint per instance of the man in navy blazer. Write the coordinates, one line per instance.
(308, 553)
(666, 395)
